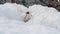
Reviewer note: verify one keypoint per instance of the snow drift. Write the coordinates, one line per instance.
(11, 19)
(12, 11)
(45, 16)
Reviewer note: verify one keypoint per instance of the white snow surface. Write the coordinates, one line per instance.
(45, 20)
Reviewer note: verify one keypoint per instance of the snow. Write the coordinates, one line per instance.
(45, 20)
(46, 16)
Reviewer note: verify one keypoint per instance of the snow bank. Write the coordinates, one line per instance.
(18, 27)
(8, 26)
(45, 16)
(13, 11)
(11, 16)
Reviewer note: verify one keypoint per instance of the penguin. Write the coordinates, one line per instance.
(27, 17)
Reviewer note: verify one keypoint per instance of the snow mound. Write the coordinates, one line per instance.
(13, 11)
(12, 14)
(45, 16)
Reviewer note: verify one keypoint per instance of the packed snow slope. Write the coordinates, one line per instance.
(45, 20)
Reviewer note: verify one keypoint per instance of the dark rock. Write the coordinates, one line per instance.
(55, 4)
(27, 3)
(2, 1)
